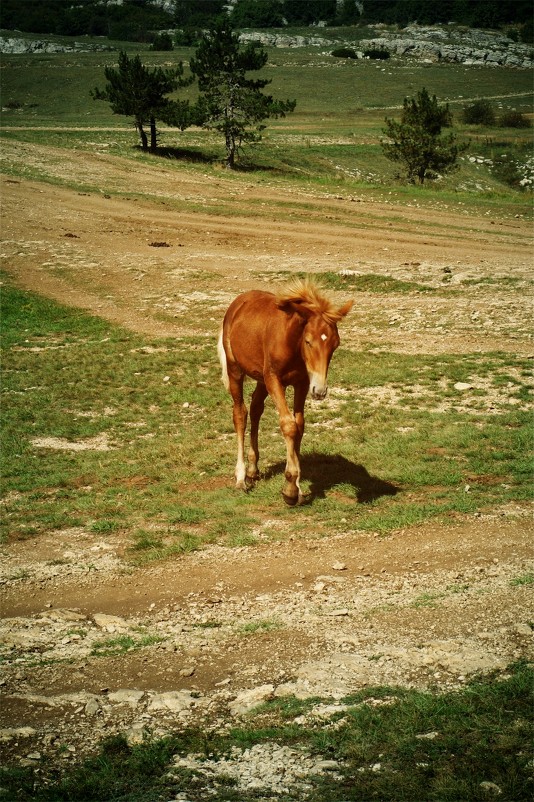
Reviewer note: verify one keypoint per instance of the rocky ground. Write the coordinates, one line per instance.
(92, 646)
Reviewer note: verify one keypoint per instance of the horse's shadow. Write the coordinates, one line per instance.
(325, 471)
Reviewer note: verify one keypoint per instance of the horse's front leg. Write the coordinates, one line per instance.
(257, 405)
(292, 427)
(235, 385)
(301, 391)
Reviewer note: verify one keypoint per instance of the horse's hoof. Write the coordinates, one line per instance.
(291, 501)
(250, 481)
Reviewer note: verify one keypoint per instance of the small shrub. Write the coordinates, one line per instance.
(514, 119)
(162, 41)
(377, 53)
(344, 52)
(479, 113)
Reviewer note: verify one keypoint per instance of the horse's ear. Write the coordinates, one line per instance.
(345, 309)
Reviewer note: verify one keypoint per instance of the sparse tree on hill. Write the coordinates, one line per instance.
(416, 141)
(139, 92)
(229, 101)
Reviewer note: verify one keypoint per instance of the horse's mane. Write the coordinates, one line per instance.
(307, 294)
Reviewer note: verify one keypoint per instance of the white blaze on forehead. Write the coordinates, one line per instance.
(324, 337)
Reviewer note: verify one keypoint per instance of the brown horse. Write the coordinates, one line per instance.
(279, 340)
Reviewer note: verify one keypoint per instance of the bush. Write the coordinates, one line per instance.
(377, 53)
(162, 41)
(344, 52)
(479, 113)
(514, 119)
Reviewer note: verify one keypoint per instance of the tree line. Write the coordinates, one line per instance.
(233, 104)
(142, 20)
(230, 102)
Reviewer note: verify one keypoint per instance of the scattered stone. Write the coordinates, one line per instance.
(12, 733)
(135, 734)
(339, 566)
(273, 768)
(110, 623)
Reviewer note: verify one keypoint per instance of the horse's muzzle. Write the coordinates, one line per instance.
(319, 393)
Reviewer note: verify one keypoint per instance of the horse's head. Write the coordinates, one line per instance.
(320, 339)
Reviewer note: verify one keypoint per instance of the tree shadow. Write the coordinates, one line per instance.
(325, 471)
(182, 154)
(197, 156)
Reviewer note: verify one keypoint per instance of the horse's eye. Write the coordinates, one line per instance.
(308, 342)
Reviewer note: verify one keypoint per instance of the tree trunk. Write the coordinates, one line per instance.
(142, 134)
(230, 152)
(153, 135)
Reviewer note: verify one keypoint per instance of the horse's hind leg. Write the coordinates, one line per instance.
(235, 386)
(257, 405)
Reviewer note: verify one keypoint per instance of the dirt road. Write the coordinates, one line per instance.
(208, 635)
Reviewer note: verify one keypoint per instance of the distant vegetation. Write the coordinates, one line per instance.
(142, 20)
(416, 142)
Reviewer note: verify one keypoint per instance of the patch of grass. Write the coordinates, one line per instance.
(144, 540)
(112, 647)
(437, 747)
(370, 282)
(525, 579)
(253, 627)
(366, 462)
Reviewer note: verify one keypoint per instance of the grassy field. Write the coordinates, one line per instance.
(76, 378)
(126, 414)
(333, 135)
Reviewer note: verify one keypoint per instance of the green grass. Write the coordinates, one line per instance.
(480, 734)
(113, 647)
(161, 494)
(331, 141)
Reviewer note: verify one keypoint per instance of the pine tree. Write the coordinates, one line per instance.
(416, 140)
(230, 102)
(136, 91)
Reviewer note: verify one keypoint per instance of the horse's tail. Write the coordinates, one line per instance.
(223, 361)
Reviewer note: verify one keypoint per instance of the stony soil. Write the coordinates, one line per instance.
(214, 632)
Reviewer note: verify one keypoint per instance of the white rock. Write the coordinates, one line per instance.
(126, 696)
(110, 623)
(248, 700)
(173, 701)
(92, 707)
(10, 733)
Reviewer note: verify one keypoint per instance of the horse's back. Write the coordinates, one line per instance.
(254, 303)
(244, 329)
